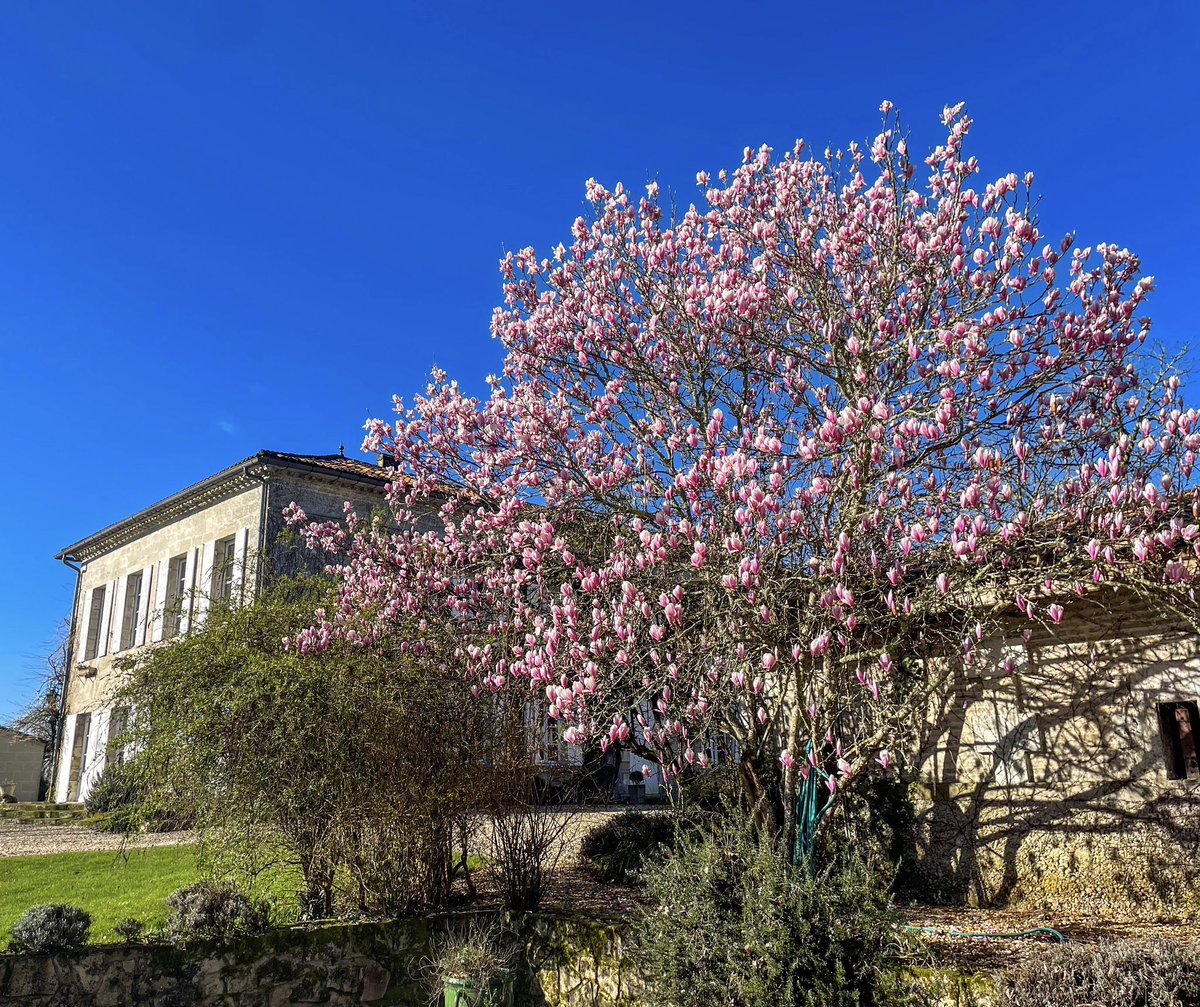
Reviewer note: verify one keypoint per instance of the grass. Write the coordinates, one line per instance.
(111, 886)
(114, 886)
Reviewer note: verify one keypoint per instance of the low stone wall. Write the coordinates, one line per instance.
(571, 962)
(1132, 856)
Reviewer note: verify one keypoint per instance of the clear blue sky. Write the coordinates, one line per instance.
(227, 226)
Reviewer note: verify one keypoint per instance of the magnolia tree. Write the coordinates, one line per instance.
(769, 470)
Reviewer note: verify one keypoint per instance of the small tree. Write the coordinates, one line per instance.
(352, 762)
(769, 469)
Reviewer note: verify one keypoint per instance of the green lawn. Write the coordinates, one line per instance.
(116, 886)
(111, 886)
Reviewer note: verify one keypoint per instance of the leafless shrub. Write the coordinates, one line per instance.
(527, 842)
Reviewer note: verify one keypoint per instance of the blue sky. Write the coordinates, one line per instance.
(227, 226)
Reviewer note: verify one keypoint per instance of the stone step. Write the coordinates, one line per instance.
(38, 812)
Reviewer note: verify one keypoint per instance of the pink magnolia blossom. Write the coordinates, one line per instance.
(832, 405)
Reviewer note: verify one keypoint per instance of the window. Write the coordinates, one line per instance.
(95, 618)
(1179, 726)
(176, 592)
(222, 578)
(118, 725)
(133, 610)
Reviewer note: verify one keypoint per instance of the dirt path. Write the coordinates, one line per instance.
(20, 839)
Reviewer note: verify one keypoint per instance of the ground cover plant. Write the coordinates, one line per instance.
(48, 928)
(1123, 973)
(620, 849)
(730, 921)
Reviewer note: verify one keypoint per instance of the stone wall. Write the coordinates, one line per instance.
(573, 962)
(570, 962)
(1042, 777)
(21, 765)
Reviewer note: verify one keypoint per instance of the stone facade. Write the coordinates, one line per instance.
(1051, 784)
(152, 575)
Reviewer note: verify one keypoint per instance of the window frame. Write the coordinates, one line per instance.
(1180, 748)
(224, 561)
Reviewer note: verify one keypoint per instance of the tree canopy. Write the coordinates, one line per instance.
(764, 468)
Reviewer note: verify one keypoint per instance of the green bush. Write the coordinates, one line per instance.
(130, 930)
(48, 928)
(119, 800)
(730, 922)
(616, 850)
(712, 788)
(213, 911)
(117, 794)
(1134, 973)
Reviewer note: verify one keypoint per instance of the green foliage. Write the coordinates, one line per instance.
(617, 850)
(730, 922)
(130, 930)
(48, 928)
(712, 788)
(356, 767)
(1117, 974)
(115, 803)
(214, 911)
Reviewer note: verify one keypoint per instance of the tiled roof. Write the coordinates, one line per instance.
(334, 464)
(234, 478)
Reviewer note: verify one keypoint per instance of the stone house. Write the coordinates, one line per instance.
(21, 758)
(1062, 772)
(151, 576)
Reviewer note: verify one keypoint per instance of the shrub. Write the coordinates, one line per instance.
(130, 930)
(710, 789)
(118, 794)
(1121, 973)
(729, 921)
(617, 850)
(213, 910)
(526, 842)
(48, 928)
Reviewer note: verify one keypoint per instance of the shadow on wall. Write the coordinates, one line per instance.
(1045, 771)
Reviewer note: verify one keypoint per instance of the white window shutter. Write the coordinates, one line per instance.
(106, 621)
(188, 600)
(63, 784)
(144, 606)
(160, 603)
(239, 562)
(85, 622)
(118, 611)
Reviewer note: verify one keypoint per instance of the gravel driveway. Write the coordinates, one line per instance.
(20, 839)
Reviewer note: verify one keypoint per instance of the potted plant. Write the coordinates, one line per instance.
(476, 969)
(637, 787)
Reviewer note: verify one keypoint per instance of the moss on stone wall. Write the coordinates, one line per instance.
(573, 961)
